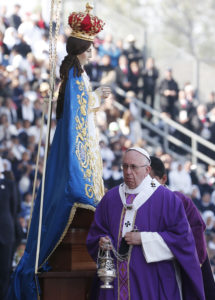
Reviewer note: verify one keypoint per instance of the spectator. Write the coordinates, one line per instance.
(150, 76)
(130, 127)
(15, 19)
(195, 195)
(16, 91)
(108, 47)
(168, 94)
(208, 217)
(26, 205)
(106, 175)
(3, 15)
(3, 44)
(10, 38)
(211, 101)
(16, 60)
(183, 110)
(9, 109)
(200, 123)
(116, 177)
(23, 47)
(29, 31)
(190, 94)
(132, 52)
(107, 73)
(180, 180)
(41, 49)
(205, 203)
(211, 244)
(213, 197)
(136, 79)
(61, 48)
(107, 154)
(191, 169)
(8, 205)
(5, 134)
(26, 111)
(17, 149)
(122, 77)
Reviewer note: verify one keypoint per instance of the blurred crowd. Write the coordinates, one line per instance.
(24, 85)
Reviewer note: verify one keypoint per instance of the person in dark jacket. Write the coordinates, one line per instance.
(15, 19)
(168, 94)
(150, 76)
(7, 229)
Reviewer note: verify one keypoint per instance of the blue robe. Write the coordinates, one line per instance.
(69, 184)
(163, 213)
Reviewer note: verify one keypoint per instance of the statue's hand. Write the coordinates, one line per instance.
(104, 91)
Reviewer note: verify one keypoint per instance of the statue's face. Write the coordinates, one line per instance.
(85, 57)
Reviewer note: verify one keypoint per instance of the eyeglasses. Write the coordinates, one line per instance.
(132, 167)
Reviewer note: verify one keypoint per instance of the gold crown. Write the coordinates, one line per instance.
(84, 25)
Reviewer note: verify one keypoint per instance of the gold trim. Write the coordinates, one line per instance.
(38, 295)
(119, 234)
(83, 36)
(87, 149)
(129, 258)
(72, 214)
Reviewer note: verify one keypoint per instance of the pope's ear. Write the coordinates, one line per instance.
(148, 168)
(164, 179)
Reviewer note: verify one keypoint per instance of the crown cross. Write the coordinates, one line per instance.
(88, 8)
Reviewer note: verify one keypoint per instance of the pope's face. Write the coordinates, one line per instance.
(85, 57)
(135, 168)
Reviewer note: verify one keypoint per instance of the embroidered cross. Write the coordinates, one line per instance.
(127, 224)
(153, 184)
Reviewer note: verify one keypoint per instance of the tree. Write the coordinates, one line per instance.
(184, 23)
(189, 24)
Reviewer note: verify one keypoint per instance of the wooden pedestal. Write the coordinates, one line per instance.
(74, 285)
(72, 267)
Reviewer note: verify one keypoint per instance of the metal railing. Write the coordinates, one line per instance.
(168, 126)
(167, 131)
(168, 137)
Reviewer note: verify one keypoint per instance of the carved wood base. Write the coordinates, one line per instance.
(72, 267)
(66, 285)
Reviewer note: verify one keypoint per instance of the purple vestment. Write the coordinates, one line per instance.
(197, 225)
(163, 213)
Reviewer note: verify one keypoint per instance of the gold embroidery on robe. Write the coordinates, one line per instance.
(87, 147)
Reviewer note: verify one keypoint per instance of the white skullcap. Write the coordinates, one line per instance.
(142, 151)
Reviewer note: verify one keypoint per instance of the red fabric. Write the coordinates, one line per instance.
(86, 24)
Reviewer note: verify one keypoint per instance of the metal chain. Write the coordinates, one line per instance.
(119, 257)
(53, 45)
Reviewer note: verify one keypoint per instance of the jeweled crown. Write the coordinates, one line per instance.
(84, 25)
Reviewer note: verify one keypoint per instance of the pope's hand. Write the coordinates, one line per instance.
(104, 243)
(133, 238)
